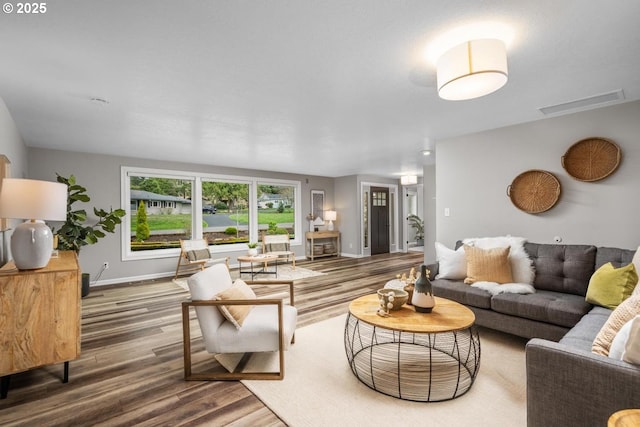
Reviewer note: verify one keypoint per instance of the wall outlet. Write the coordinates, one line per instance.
(105, 265)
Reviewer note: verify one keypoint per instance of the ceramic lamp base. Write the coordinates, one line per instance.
(31, 245)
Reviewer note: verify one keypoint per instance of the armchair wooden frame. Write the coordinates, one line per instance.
(278, 238)
(232, 376)
(185, 265)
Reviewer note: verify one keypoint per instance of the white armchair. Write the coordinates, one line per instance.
(268, 325)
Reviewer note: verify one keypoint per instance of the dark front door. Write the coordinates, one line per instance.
(379, 220)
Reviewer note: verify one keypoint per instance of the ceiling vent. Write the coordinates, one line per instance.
(584, 103)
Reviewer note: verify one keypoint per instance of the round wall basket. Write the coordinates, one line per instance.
(534, 191)
(591, 159)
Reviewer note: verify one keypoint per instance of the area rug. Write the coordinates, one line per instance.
(319, 388)
(285, 272)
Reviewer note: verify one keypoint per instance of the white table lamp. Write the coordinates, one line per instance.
(330, 216)
(36, 201)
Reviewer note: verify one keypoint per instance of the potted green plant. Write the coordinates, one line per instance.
(418, 225)
(75, 232)
(253, 251)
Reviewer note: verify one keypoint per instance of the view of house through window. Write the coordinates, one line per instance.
(276, 209)
(160, 212)
(230, 210)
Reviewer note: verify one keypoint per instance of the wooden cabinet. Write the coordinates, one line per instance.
(40, 312)
(322, 243)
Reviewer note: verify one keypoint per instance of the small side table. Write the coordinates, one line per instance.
(262, 260)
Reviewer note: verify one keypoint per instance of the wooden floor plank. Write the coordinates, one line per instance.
(130, 369)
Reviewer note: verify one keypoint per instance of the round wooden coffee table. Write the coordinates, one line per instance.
(426, 357)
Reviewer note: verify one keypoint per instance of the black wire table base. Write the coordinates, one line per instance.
(424, 367)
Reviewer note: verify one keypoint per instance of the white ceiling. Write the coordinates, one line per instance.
(331, 87)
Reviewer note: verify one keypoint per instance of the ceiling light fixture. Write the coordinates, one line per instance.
(426, 152)
(472, 69)
(408, 180)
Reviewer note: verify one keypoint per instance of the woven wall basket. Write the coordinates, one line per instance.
(534, 191)
(591, 159)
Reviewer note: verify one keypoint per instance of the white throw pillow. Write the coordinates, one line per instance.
(636, 262)
(451, 264)
(632, 349)
(521, 265)
(626, 344)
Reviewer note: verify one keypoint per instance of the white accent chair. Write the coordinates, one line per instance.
(269, 326)
(279, 245)
(195, 255)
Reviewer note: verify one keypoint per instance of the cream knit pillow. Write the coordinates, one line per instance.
(487, 265)
(626, 311)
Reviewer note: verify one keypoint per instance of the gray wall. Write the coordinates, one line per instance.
(473, 172)
(347, 207)
(429, 211)
(348, 201)
(12, 146)
(100, 174)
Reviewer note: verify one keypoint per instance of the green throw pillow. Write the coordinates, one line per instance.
(609, 286)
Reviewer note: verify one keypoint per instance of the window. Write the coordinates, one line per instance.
(225, 212)
(228, 211)
(276, 209)
(160, 212)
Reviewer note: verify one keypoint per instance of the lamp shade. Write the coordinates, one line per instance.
(472, 69)
(32, 241)
(32, 199)
(330, 216)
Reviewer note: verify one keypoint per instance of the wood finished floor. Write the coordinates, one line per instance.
(130, 371)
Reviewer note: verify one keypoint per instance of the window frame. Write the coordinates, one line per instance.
(196, 179)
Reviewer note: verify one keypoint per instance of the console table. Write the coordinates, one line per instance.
(332, 237)
(40, 314)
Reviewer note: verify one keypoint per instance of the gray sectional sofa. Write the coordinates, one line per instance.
(567, 384)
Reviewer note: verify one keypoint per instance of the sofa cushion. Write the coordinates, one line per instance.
(544, 306)
(618, 257)
(625, 338)
(562, 268)
(609, 286)
(452, 264)
(487, 265)
(581, 336)
(236, 313)
(621, 315)
(521, 266)
(459, 292)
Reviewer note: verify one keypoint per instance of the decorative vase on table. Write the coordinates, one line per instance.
(252, 252)
(422, 298)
